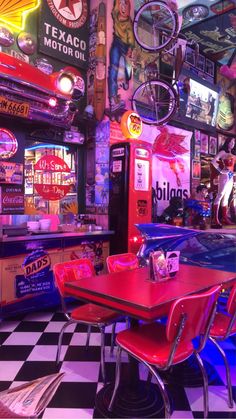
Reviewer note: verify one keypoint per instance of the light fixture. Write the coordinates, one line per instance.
(195, 12)
(66, 83)
(52, 102)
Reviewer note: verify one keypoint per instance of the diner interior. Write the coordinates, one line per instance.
(118, 209)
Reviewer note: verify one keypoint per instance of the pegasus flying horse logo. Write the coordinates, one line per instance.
(14, 13)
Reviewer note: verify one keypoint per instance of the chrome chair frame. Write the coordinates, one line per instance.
(154, 369)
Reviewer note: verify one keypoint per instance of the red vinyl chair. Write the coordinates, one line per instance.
(119, 263)
(89, 314)
(224, 325)
(161, 346)
(122, 262)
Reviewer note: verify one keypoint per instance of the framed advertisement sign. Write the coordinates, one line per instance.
(11, 199)
(11, 172)
(63, 31)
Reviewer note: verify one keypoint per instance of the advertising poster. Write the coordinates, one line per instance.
(171, 150)
(38, 275)
(120, 53)
(63, 31)
(11, 172)
(12, 199)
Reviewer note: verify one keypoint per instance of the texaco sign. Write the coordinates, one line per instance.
(71, 13)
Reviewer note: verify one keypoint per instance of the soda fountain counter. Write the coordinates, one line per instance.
(26, 262)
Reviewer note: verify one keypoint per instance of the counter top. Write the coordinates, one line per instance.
(56, 235)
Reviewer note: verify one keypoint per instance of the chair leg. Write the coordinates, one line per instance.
(60, 339)
(113, 333)
(102, 330)
(205, 385)
(117, 380)
(162, 389)
(227, 369)
(88, 336)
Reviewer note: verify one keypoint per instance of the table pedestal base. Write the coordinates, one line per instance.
(187, 374)
(145, 402)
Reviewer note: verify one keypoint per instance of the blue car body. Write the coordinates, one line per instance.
(214, 250)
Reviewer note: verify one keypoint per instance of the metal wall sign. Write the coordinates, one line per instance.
(63, 30)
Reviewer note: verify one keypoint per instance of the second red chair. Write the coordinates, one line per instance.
(88, 314)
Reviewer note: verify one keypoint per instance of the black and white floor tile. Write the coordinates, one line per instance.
(28, 345)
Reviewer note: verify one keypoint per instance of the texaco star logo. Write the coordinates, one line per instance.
(71, 13)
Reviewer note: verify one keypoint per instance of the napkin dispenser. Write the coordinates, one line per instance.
(161, 266)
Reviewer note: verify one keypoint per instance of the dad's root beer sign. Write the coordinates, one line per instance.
(64, 30)
(37, 276)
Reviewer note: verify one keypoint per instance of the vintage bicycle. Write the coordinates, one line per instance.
(156, 29)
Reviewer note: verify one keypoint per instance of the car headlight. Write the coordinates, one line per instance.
(66, 83)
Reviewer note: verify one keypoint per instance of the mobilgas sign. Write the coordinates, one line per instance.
(64, 30)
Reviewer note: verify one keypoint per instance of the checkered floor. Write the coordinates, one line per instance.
(28, 350)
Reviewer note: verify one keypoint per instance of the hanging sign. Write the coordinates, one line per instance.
(131, 125)
(50, 166)
(63, 31)
(8, 144)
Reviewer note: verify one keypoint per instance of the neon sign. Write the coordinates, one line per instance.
(15, 15)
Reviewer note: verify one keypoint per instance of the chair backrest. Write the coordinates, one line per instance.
(122, 262)
(197, 309)
(71, 271)
(231, 303)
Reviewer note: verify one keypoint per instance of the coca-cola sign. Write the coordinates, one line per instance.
(12, 199)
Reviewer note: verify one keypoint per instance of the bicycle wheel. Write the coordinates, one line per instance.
(155, 26)
(155, 101)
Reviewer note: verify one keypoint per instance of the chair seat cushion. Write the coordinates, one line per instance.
(93, 313)
(220, 326)
(149, 343)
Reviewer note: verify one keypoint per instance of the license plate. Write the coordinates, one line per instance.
(14, 108)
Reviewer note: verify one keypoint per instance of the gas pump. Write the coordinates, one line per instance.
(130, 197)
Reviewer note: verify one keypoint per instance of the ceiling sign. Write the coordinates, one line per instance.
(14, 13)
(8, 144)
(216, 36)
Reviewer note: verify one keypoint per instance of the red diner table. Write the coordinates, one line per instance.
(133, 294)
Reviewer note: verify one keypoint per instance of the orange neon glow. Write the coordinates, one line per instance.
(14, 12)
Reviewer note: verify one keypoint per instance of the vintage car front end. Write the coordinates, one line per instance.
(27, 92)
